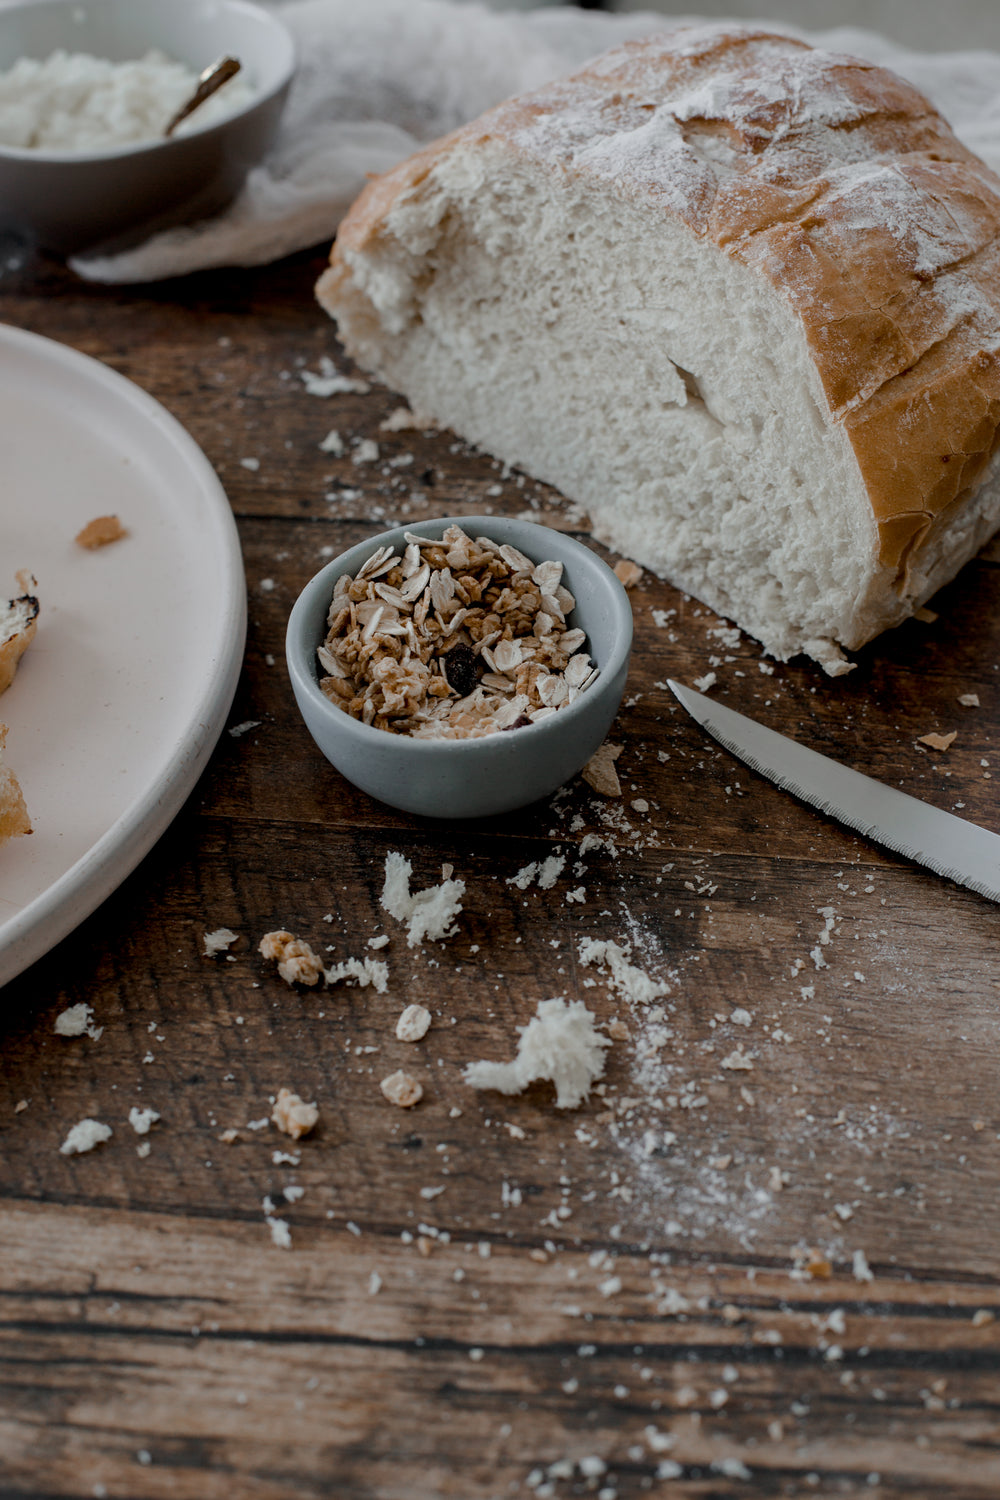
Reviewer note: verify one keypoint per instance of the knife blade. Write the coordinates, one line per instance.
(950, 846)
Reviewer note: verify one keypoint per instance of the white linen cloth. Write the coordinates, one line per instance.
(379, 78)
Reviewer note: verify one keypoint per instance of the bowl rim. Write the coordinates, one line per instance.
(321, 583)
(147, 147)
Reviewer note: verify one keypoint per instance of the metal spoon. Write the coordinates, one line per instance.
(212, 78)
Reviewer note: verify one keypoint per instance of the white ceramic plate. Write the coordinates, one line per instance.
(120, 699)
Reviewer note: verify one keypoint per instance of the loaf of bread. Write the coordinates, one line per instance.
(738, 297)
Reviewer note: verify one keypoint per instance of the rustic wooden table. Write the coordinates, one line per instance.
(762, 1259)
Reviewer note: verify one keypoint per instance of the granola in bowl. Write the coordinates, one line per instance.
(453, 638)
(410, 650)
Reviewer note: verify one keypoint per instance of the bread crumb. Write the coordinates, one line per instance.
(402, 1089)
(363, 971)
(414, 1023)
(402, 419)
(600, 773)
(218, 941)
(969, 700)
(627, 572)
(983, 1318)
(84, 1136)
(429, 913)
(18, 623)
(14, 820)
(631, 982)
(292, 1115)
(281, 1234)
(329, 381)
(99, 532)
(76, 1020)
(297, 963)
(938, 741)
(860, 1267)
(333, 443)
(704, 683)
(925, 616)
(560, 1045)
(20, 1106)
(141, 1120)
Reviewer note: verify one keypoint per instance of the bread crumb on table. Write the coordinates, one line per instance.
(600, 773)
(560, 1045)
(292, 1115)
(297, 963)
(938, 741)
(142, 1120)
(77, 1020)
(428, 913)
(402, 1089)
(414, 1023)
(84, 1136)
(627, 572)
(218, 941)
(99, 532)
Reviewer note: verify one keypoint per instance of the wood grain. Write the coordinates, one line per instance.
(485, 1292)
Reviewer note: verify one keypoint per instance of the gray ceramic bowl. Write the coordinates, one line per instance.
(106, 200)
(503, 771)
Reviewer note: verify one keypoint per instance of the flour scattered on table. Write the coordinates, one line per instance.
(560, 1045)
(84, 1136)
(77, 1020)
(428, 913)
(292, 1115)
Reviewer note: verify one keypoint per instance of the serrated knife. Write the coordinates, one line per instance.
(950, 846)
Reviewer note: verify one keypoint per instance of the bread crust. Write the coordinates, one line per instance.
(14, 819)
(830, 177)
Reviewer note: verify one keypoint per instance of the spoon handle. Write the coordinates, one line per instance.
(212, 78)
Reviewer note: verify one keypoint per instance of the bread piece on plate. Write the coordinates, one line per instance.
(18, 620)
(14, 820)
(737, 296)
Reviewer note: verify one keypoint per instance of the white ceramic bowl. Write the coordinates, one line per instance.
(105, 200)
(500, 772)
